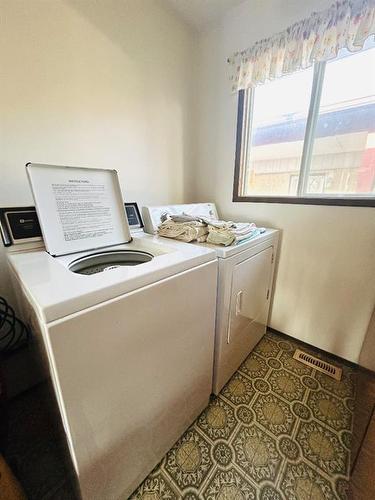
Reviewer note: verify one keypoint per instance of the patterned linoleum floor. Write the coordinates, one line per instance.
(278, 430)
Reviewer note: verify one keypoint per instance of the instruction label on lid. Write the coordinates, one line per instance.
(84, 209)
(78, 208)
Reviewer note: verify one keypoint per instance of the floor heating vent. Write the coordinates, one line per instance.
(318, 364)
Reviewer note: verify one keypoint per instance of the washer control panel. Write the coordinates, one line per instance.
(21, 225)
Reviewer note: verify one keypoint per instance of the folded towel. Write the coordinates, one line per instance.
(241, 228)
(220, 237)
(184, 231)
(256, 232)
(233, 236)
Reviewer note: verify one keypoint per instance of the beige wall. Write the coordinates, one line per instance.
(325, 287)
(103, 83)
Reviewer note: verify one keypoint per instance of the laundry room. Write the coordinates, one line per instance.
(187, 263)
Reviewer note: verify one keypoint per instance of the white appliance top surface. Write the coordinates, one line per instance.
(57, 292)
(151, 215)
(78, 208)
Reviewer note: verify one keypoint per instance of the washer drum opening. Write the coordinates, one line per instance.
(105, 261)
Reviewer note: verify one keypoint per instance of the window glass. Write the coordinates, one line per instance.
(306, 137)
(277, 128)
(343, 155)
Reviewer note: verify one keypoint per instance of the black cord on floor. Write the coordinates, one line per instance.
(13, 332)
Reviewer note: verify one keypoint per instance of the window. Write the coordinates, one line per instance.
(309, 137)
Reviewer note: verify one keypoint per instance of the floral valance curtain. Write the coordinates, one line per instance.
(346, 23)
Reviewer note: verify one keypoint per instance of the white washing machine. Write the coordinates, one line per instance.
(129, 348)
(245, 280)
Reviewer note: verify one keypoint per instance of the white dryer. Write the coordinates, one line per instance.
(245, 280)
(129, 348)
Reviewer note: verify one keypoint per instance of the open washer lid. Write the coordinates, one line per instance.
(79, 209)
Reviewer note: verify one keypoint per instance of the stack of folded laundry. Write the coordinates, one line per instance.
(232, 235)
(189, 228)
(184, 228)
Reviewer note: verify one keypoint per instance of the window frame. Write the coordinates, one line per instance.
(243, 134)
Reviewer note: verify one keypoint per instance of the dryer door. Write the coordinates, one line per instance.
(249, 304)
